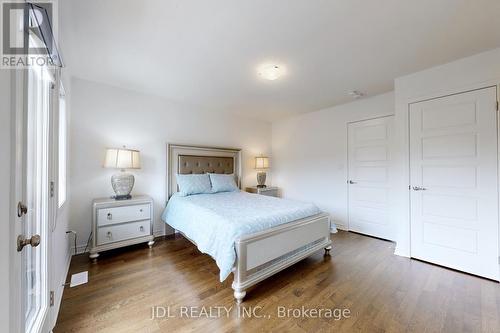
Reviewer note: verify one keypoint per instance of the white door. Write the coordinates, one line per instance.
(369, 165)
(36, 202)
(453, 175)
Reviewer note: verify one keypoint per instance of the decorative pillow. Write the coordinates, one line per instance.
(223, 183)
(193, 184)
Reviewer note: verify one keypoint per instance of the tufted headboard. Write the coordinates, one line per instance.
(187, 159)
(202, 164)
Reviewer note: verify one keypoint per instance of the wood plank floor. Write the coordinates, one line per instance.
(383, 292)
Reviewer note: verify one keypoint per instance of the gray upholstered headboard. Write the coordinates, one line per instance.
(186, 159)
(202, 164)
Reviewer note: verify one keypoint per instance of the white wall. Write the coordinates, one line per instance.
(465, 74)
(310, 153)
(5, 207)
(105, 116)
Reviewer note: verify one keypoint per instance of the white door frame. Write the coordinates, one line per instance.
(406, 251)
(347, 159)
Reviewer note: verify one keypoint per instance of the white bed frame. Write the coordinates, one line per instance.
(262, 254)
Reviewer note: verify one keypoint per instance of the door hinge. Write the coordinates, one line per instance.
(52, 189)
(497, 105)
(51, 298)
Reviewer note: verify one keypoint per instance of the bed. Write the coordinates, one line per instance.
(250, 235)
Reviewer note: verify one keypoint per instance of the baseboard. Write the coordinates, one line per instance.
(60, 290)
(80, 249)
(399, 252)
(341, 226)
(159, 233)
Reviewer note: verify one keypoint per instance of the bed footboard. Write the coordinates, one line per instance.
(265, 253)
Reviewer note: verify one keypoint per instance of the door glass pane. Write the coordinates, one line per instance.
(62, 148)
(36, 222)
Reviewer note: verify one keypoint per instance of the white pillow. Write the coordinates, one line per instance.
(223, 183)
(193, 184)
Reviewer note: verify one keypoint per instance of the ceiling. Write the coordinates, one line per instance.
(206, 53)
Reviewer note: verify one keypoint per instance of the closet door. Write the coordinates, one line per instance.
(369, 160)
(454, 182)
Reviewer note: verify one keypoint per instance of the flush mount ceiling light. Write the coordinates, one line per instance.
(270, 71)
(356, 94)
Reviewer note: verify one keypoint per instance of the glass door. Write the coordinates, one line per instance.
(33, 242)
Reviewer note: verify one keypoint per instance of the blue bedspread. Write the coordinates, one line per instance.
(215, 221)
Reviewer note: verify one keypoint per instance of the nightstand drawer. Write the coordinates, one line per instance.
(270, 192)
(108, 216)
(119, 232)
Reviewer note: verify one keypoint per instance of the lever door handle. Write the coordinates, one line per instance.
(419, 188)
(352, 182)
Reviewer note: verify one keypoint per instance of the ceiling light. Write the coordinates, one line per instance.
(270, 71)
(356, 94)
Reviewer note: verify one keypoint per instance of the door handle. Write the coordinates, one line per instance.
(352, 182)
(21, 209)
(34, 241)
(419, 188)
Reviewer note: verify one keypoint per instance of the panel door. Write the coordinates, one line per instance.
(369, 164)
(454, 182)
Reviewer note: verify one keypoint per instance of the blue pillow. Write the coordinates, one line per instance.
(223, 183)
(193, 184)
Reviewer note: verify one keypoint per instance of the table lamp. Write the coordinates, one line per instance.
(122, 158)
(261, 164)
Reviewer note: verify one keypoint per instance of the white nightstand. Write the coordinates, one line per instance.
(270, 190)
(118, 223)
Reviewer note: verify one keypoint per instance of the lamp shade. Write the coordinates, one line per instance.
(122, 158)
(261, 162)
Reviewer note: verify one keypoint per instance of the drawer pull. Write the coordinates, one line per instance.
(110, 216)
(141, 228)
(109, 234)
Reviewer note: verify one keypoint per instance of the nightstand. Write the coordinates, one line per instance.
(269, 191)
(118, 223)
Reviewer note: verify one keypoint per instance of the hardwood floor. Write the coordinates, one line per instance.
(383, 292)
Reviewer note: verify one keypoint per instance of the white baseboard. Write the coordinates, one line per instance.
(60, 290)
(159, 233)
(79, 249)
(341, 226)
(398, 252)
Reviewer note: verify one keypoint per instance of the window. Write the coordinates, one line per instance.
(62, 148)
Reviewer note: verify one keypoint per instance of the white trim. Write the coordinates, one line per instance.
(60, 290)
(160, 233)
